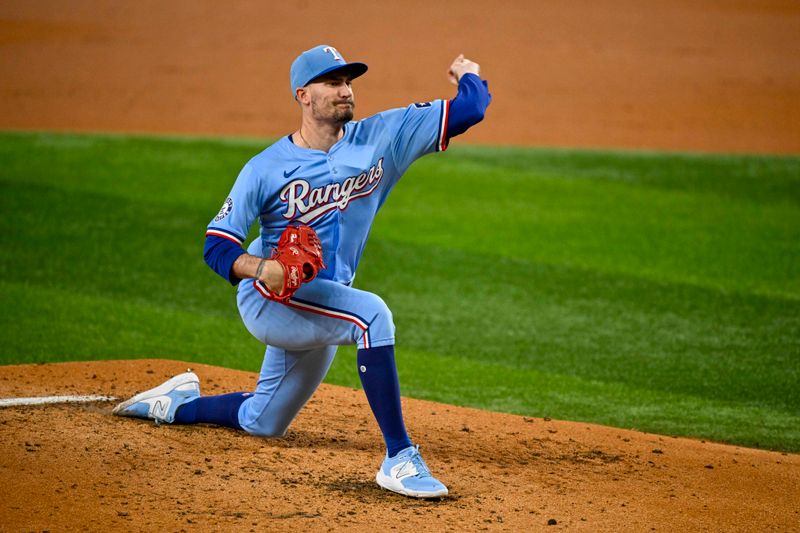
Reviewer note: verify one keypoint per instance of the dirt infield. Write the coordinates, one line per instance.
(70, 467)
(670, 74)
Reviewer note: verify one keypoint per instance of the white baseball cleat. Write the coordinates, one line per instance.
(406, 473)
(161, 403)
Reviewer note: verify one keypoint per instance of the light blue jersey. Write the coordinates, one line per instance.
(337, 193)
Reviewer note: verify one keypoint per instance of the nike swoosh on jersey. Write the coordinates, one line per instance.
(289, 174)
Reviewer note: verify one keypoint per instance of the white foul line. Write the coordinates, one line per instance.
(41, 400)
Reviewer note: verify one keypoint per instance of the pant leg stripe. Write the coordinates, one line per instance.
(320, 310)
(261, 290)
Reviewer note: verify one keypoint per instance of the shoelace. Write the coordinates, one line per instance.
(419, 463)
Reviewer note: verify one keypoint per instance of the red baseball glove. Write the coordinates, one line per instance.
(299, 251)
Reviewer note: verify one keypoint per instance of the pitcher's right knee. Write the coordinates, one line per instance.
(267, 430)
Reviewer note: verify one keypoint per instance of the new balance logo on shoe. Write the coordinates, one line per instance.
(406, 469)
(160, 409)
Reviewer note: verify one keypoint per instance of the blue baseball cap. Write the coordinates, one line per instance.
(320, 60)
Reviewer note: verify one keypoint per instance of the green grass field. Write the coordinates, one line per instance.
(652, 291)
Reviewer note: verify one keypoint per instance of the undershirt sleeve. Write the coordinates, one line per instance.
(469, 105)
(220, 254)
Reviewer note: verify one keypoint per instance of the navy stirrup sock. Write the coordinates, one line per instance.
(378, 373)
(220, 410)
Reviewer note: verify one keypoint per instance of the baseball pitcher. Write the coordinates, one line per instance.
(315, 194)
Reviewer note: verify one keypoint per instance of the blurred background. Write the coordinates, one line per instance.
(667, 74)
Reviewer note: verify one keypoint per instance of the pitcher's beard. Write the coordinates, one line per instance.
(339, 115)
(343, 116)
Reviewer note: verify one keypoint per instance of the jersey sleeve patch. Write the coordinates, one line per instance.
(225, 210)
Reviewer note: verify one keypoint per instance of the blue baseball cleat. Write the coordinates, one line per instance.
(406, 473)
(161, 403)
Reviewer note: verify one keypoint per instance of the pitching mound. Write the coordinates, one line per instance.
(74, 466)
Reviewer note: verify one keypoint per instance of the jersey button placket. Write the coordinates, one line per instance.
(337, 212)
(334, 172)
